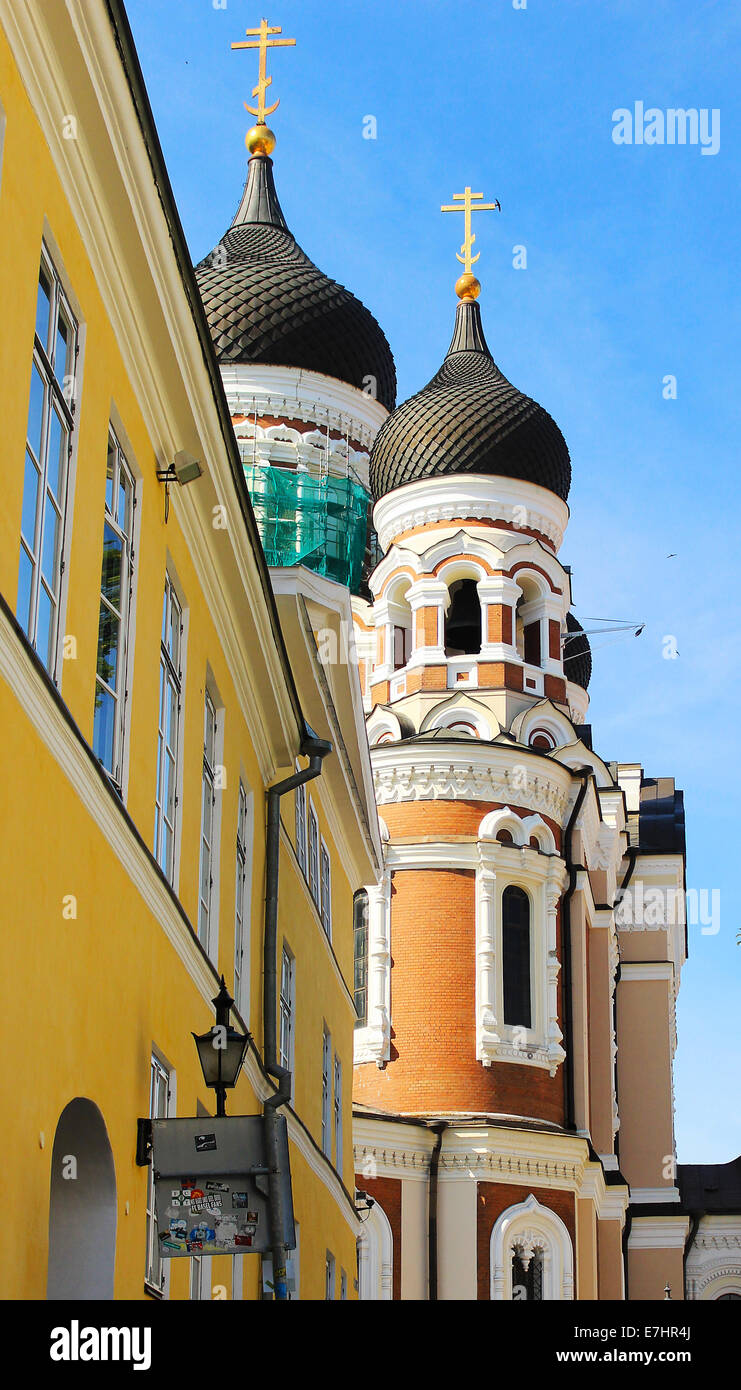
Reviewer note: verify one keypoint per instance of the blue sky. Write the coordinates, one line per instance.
(632, 275)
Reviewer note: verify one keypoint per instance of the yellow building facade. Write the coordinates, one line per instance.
(139, 751)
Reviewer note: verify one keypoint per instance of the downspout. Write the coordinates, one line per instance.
(626, 1238)
(438, 1130)
(568, 1012)
(695, 1219)
(316, 749)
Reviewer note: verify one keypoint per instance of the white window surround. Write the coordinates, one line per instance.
(376, 1258)
(325, 887)
(528, 1227)
(542, 875)
(372, 1043)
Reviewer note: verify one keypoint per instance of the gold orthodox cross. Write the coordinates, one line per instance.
(263, 41)
(467, 203)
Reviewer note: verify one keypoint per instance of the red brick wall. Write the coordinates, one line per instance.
(387, 1192)
(492, 1198)
(439, 818)
(433, 1067)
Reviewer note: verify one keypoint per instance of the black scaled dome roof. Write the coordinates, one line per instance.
(470, 419)
(577, 653)
(265, 301)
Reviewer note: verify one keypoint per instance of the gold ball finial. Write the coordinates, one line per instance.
(260, 139)
(467, 287)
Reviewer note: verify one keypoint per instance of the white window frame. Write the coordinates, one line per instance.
(171, 680)
(338, 1112)
(325, 887)
(63, 401)
(343, 1286)
(301, 841)
(161, 1105)
(287, 1011)
(329, 1277)
(208, 892)
(313, 854)
(326, 1092)
(536, 1227)
(372, 1040)
(243, 900)
(118, 690)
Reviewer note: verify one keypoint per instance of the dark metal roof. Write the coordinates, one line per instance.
(470, 419)
(267, 302)
(659, 823)
(710, 1186)
(577, 654)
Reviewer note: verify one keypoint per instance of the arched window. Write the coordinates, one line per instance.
(463, 621)
(360, 932)
(531, 1255)
(516, 957)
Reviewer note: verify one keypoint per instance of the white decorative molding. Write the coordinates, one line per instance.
(654, 1194)
(293, 393)
(658, 1232)
(375, 1257)
(530, 1227)
(542, 876)
(480, 773)
(472, 497)
(372, 1043)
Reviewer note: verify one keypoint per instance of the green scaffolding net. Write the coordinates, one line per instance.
(320, 522)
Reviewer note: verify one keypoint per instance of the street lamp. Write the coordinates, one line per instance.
(221, 1051)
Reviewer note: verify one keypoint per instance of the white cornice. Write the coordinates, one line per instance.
(415, 772)
(459, 496)
(658, 1232)
(646, 970)
(293, 393)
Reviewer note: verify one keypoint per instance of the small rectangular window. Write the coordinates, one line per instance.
(168, 731)
(287, 1006)
(314, 883)
(326, 1092)
(49, 436)
(159, 1097)
(337, 1113)
(326, 890)
(301, 825)
(329, 1276)
(208, 821)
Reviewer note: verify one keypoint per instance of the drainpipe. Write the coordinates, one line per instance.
(315, 749)
(568, 1012)
(626, 1238)
(438, 1130)
(695, 1219)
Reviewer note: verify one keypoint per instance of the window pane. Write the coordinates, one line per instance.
(111, 576)
(50, 544)
(35, 411)
(45, 626)
(56, 454)
(109, 630)
(105, 719)
(174, 648)
(124, 502)
(42, 308)
(110, 475)
(516, 957)
(30, 498)
(25, 580)
(63, 347)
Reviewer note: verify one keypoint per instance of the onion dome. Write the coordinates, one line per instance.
(577, 654)
(469, 419)
(266, 302)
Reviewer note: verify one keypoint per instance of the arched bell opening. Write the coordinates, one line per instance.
(463, 619)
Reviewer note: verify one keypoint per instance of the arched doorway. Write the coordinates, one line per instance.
(82, 1206)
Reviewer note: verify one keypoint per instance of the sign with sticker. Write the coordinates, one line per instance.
(217, 1203)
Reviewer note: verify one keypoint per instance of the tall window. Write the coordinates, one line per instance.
(527, 1276)
(159, 1096)
(343, 1286)
(516, 957)
(326, 890)
(314, 884)
(329, 1275)
(242, 903)
(168, 733)
(48, 448)
(301, 825)
(115, 607)
(287, 1007)
(360, 942)
(337, 1113)
(326, 1092)
(208, 821)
